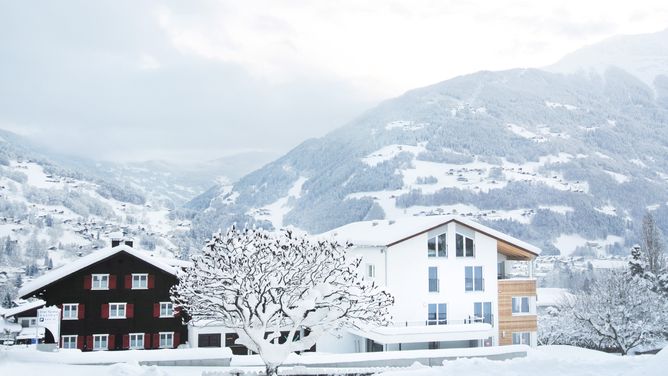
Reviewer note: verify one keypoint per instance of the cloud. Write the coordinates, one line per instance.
(128, 79)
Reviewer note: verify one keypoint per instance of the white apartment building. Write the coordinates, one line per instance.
(452, 282)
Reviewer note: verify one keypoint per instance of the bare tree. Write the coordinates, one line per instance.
(652, 248)
(279, 291)
(621, 311)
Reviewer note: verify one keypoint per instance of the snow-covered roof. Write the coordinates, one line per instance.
(551, 296)
(90, 259)
(387, 232)
(9, 312)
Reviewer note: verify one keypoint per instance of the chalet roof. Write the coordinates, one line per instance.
(388, 232)
(90, 259)
(9, 312)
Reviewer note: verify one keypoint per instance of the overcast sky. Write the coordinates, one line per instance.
(196, 80)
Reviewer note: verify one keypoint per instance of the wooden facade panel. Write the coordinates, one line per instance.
(509, 324)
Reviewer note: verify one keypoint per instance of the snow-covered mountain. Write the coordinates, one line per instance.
(51, 214)
(568, 162)
(643, 55)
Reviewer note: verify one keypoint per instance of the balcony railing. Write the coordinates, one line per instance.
(485, 319)
(474, 284)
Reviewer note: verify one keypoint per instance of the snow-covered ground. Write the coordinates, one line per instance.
(546, 361)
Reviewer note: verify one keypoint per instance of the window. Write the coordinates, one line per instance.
(464, 246)
(482, 312)
(117, 310)
(100, 282)
(70, 311)
(437, 246)
(522, 338)
(166, 340)
(166, 309)
(473, 280)
(521, 305)
(136, 341)
(371, 270)
(433, 279)
(28, 322)
(437, 314)
(100, 342)
(69, 342)
(139, 281)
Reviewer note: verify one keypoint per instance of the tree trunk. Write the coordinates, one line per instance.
(271, 371)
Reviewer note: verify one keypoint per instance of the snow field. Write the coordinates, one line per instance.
(544, 361)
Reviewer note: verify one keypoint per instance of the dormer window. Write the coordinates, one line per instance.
(100, 282)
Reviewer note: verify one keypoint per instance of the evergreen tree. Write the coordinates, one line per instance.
(7, 301)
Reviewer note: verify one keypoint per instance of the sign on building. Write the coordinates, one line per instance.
(49, 318)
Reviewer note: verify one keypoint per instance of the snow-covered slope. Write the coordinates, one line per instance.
(50, 215)
(566, 162)
(643, 55)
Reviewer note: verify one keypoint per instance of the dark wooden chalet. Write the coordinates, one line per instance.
(112, 299)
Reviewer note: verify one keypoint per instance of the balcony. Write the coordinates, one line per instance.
(515, 269)
(472, 328)
(484, 319)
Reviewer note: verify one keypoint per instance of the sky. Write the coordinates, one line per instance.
(130, 80)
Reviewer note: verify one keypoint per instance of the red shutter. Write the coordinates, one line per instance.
(177, 337)
(129, 310)
(147, 340)
(128, 281)
(151, 281)
(126, 341)
(178, 311)
(89, 342)
(156, 340)
(105, 311)
(80, 342)
(156, 309)
(112, 342)
(87, 282)
(112, 281)
(81, 311)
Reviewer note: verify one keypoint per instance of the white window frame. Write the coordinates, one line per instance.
(438, 320)
(73, 307)
(519, 335)
(437, 247)
(371, 270)
(429, 279)
(118, 305)
(139, 343)
(169, 335)
(139, 277)
(474, 286)
(69, 343)
(529, 306)
(101, 278)
(464, 255)
(106, 342)
(168, 312)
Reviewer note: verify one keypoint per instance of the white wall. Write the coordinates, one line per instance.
(405, 265)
